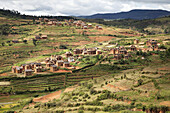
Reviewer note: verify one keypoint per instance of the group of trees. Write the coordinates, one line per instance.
(5, 29)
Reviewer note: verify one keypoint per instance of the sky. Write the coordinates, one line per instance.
(80, 7)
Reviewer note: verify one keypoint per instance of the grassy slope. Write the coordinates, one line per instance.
(72, 38)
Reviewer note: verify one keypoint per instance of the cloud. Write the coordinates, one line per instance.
(80, 7)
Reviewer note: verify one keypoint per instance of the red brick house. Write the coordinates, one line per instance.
(44, 37)
(66, 64)
(53, 68)
(59, 63)
(133, 48)
(28, 72)
(136, 41)
(68, 54)
(78, 51)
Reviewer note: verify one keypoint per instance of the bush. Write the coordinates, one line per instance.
(63, 47)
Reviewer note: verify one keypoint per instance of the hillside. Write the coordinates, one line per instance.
(133, 14)
(148, 26)
(50, 65)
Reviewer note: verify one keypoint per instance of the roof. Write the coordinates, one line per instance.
(28, 70)
(53, 66)
(66, 62)
(44, 36)
(60, 61)
(68, 53)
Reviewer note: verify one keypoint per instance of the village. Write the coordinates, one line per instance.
(68, 60)
(67, 64)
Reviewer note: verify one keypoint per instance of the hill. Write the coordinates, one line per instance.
(15, 14)
(133, 14)
(149, 26)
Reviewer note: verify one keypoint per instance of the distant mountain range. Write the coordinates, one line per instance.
(133, 14)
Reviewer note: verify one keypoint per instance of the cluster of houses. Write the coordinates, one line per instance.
(70, 22)
(87, 51)
(152, 45)
(27, 69)
(121, 52)
(56, 61)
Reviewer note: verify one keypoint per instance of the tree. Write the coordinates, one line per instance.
(34, 42)
(62, 47)
(4, 29)
(25, 41)
(3, 44)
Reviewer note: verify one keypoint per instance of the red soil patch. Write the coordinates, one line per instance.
(165, 103)
(164, 68)
(4, 74)
(116, 87)
(46, 98)
(101, 38)
(70, 89)
(128, 34)
(62, 71)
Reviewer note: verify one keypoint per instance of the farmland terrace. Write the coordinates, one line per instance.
(82, 67)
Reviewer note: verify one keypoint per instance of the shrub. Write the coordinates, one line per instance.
(63, 47)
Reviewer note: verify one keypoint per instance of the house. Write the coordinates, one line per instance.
(37, 69)
(53, 68)
(40, 19)
(133, 48)
(46, 20)
(68, 54)
(97, 26)
(156, 48)
(117, 56)
(136, 41)
(59, 57)
(28, 66)
(78, 51)
(113, 51)
(37, 37)
(78, 24)
(89, 25)
(71, 59)
(59, 63)
(153, 48)
(50, 23)
(122, 51)
(91, 51)
(49, 64)
(28, 72)
(14, 69)
(84, 52)
(32, 65)
(37, 65)
(44, 37)
(66, 64)
(59, 24)
(98, 52)
(100, 27)
(84, 27)
(151, 43)
(47, 60)
(75, 23)
(70, 20)
(127, 56)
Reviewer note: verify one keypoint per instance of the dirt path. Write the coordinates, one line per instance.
(46, 98)
(116, 87)
(54, 95)
(165, 103)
